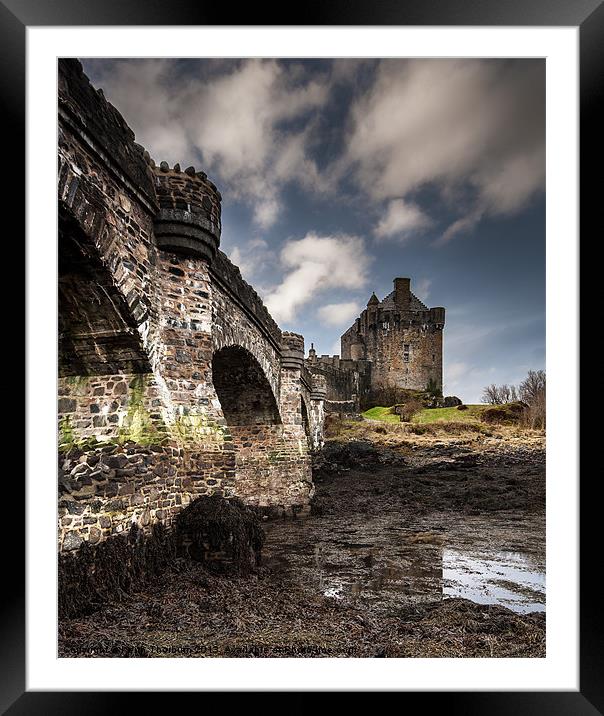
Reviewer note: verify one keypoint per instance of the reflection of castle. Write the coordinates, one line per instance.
(396, 342)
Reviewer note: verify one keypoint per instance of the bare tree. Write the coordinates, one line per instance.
(532, 392)
(532, 388)
(491, 395)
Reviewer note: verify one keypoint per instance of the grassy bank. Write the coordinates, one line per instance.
(379, 413)
(429, 415)
(442, 415)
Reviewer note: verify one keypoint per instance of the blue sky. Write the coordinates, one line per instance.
(339, 175)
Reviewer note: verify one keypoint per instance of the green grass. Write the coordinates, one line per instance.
(429, 415)
(446, 415)
(383, 414)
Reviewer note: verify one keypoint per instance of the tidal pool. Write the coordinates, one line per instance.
(510, 579)
(379, 562)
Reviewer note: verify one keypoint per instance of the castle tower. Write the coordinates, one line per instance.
(401, 337)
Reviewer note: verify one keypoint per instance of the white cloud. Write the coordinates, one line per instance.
(313, 265)
(250, 257)
(422, 289)
(231, 118)
(471, 129)
(339, 314)
(266, 211)
(463, 225)
(402, 219)
(475, 124)
(455, 371)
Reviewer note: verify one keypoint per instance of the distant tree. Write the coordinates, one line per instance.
(491, 394)
(409, 409)
(500, 394)
(532, 392)
(532, 388)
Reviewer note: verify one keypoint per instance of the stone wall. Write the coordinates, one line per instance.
(394, 364)
(119, 407)
(345, 380)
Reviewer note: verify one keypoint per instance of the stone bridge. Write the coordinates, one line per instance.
(174, 380)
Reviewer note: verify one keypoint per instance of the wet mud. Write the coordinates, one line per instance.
(410, 551)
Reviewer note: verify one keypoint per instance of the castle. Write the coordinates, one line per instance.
(394, 343)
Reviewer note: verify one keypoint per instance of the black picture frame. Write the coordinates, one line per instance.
(588, 15)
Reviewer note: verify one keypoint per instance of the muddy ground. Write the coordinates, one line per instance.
(416, 547)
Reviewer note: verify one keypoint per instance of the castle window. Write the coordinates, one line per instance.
(433, 358)
(406, 350)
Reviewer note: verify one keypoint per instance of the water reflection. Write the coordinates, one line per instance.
(506, 578)
(420, 570)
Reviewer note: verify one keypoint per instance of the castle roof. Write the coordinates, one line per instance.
(374, 300)
(414, 305)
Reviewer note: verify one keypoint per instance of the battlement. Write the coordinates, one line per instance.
(344, 380)
(335, 363)
(229, 277)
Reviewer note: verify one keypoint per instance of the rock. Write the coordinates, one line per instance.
(66, 405)
(95, 535)
(452, 401)
(75, 508)
(120, 388)
(71, 541)
(80, 469)
(116, 461)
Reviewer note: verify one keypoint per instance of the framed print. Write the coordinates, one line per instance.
(291, 291)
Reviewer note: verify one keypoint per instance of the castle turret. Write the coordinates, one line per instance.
(292, 350)
(188, 222)
(437, 316)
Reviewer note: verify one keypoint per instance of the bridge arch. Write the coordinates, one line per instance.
(253, 423)
(244, 392)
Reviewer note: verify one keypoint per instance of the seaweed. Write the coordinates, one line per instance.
(221, 532)
(109, 571)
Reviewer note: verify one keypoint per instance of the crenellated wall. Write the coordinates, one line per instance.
(174, 380)
(346, 381)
